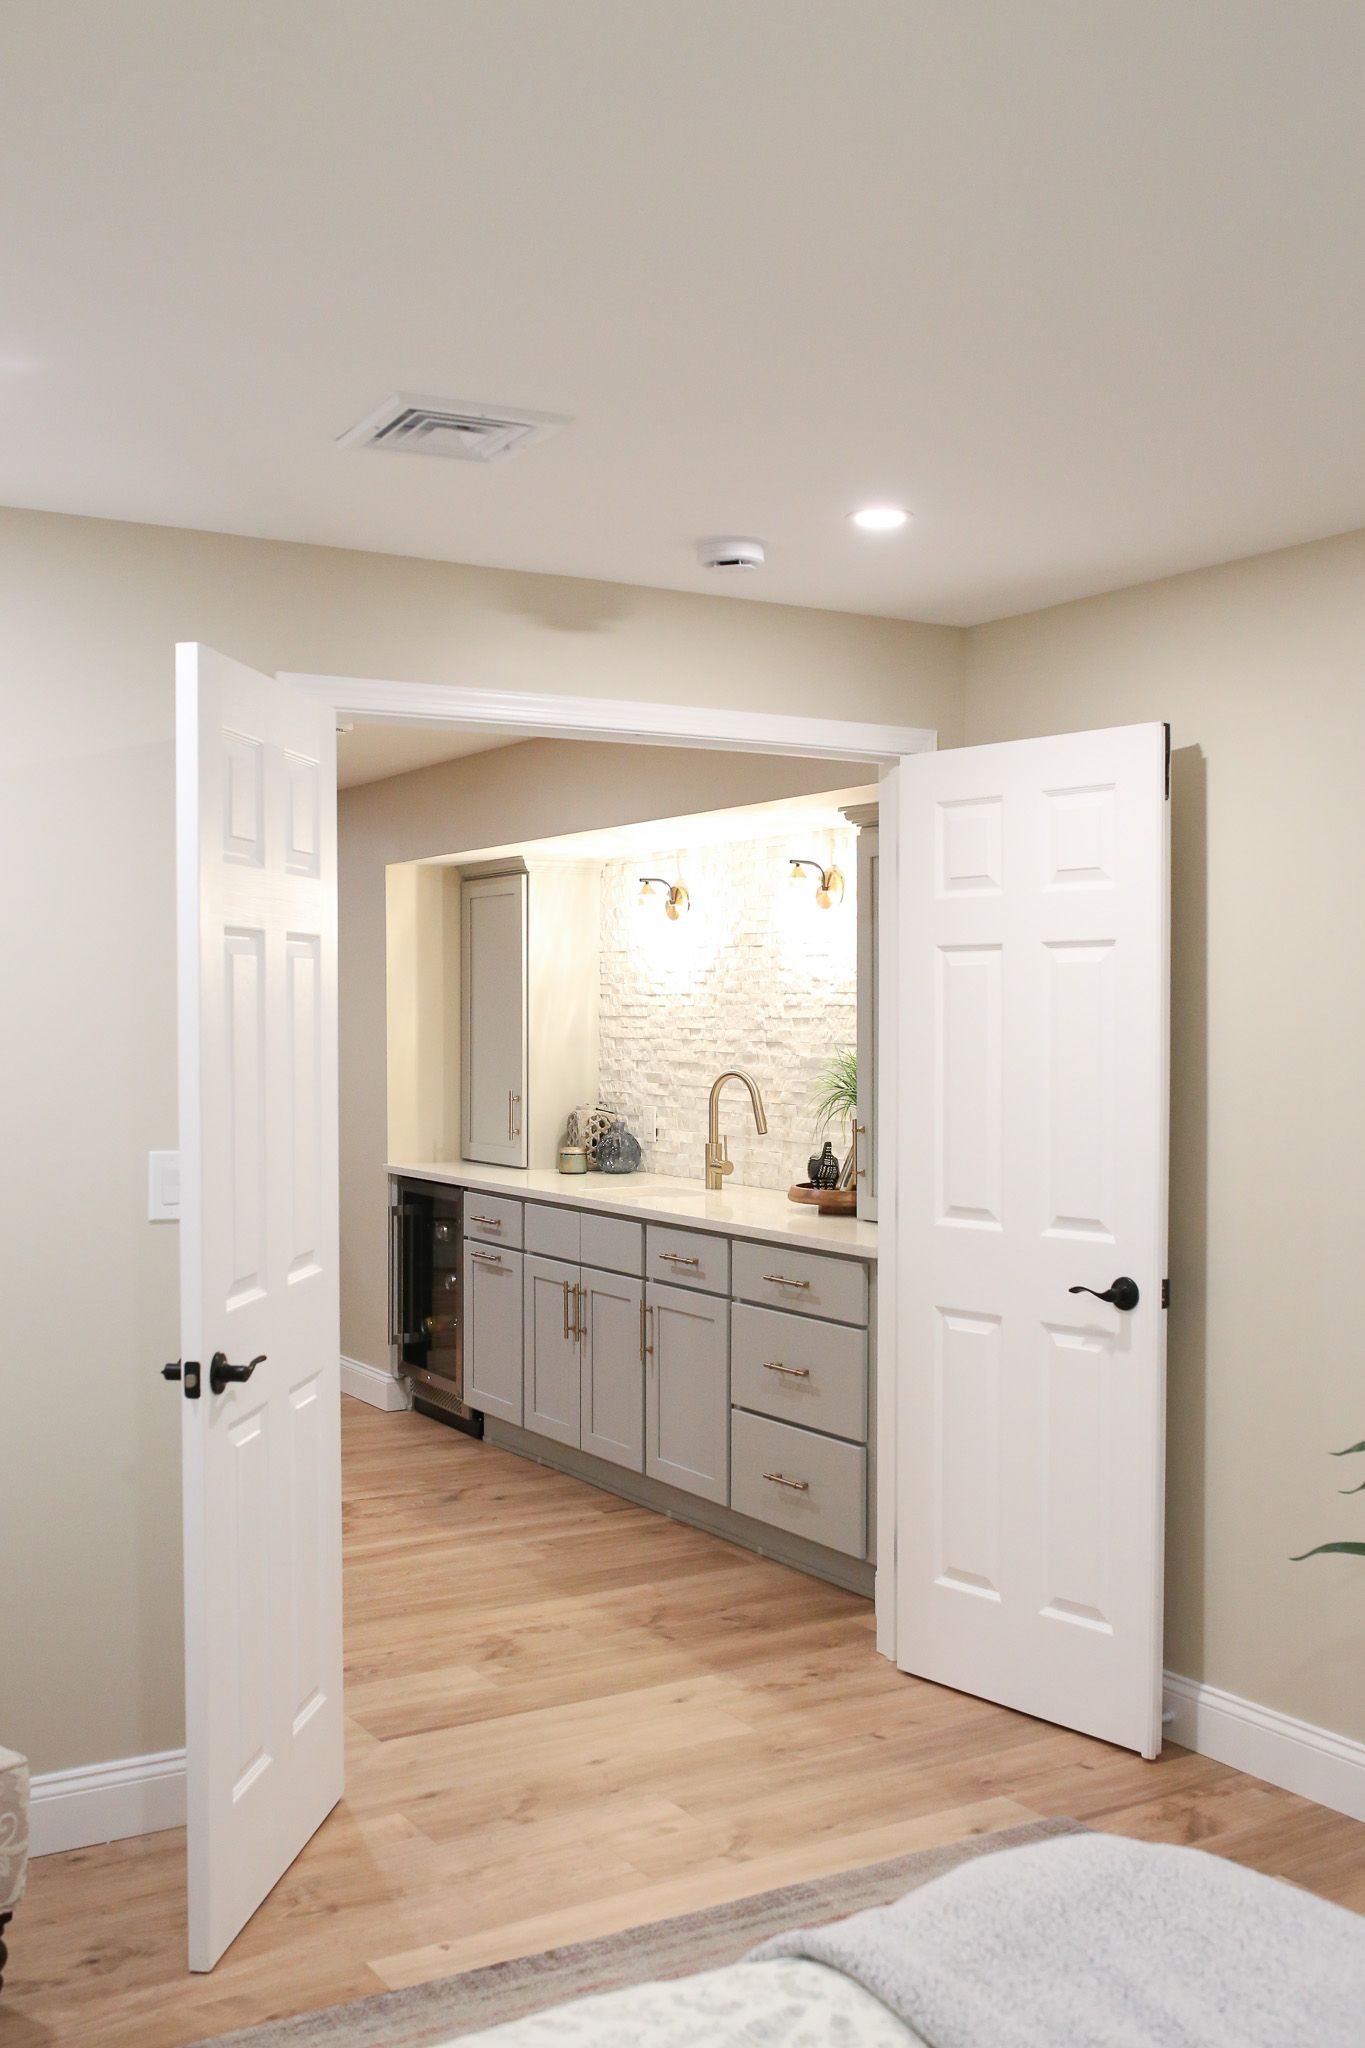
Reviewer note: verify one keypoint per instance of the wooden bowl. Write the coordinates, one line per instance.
(829, 1201)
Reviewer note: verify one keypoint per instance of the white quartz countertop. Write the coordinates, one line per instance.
(659, 1198)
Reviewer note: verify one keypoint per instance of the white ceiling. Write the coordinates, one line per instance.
(801, 819)
(368, 753)
(1081, 284)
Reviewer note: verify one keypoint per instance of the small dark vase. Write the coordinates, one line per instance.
(824, 1170)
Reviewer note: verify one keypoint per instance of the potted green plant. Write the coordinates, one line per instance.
(837, 1103)
(1345, 1549)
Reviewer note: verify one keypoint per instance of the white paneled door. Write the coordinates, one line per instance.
(1033, 1118)
(260, 1345)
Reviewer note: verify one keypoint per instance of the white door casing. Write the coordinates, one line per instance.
(1033, 1091)
(256, 883)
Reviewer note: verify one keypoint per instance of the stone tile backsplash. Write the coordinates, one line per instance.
(756, 975)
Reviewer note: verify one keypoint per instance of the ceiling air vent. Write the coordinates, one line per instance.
(464, 433)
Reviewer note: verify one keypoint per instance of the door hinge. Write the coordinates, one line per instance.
(1165, 1294)
(1167, 730)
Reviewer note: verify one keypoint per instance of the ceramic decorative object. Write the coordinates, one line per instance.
(588, 1125)
(618, 1151)
(825, 1170)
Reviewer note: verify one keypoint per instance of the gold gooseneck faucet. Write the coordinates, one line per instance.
(718, 1161)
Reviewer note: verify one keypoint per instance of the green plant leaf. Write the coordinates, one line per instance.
(1350, 1450)
(837, 1101)
(1352, 1489)
(1345, 1549)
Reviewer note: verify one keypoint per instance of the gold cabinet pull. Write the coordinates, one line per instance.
(516, 1116)
(781, 1479)
(565, 1285)
(580, 1313)
(793, 1372)
(489, 1258)
(646, 1350)
(678, 1259)
(781, 1280)
(488, 1222)
(859, 1131)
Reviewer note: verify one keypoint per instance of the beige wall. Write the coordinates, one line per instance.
(532, 791)
(1260, 667)
(89, 613)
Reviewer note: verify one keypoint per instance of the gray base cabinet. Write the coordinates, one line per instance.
(687, 1390)
(551, 1296)
(612, 1397)
(493, 1368)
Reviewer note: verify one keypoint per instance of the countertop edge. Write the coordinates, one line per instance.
(837, 1236)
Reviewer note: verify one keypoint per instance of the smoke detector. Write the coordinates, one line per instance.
(730, 553)
(462, 433)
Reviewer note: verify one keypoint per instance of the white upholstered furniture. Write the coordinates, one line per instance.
(13, 1838)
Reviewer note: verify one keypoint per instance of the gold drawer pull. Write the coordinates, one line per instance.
(677, 1259)
(488, 1258)
(796, 1485)
(781, 1280)
(793, 1372)
(489, 1222)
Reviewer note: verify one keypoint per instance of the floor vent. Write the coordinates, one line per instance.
(461, 433)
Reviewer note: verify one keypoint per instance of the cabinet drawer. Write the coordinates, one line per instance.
(799, 1369)
(493, 1219)
(808, 1283)
(613, 1244)
(812, 1485)
(688, 1258)
(551, 1232)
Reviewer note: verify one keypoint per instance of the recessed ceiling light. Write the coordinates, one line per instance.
(880, 518)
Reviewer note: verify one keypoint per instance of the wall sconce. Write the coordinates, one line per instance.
(829, 890)
(676, 899)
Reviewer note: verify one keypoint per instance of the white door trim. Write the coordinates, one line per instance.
(533, 714)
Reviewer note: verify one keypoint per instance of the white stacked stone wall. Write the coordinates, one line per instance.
(755, 976)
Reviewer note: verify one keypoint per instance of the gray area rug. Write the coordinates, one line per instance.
(426, 2014)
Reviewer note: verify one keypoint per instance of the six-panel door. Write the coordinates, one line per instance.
(687, 1390)
(492, 1331)
(551, 1300)
(612, 1409)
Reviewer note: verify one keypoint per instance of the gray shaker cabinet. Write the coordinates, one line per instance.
(687, 1390)
(492, 1330)
(612, 1408)
(551, 1330)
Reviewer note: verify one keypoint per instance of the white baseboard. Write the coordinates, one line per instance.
(1295, 1755)
(137, 1795)
(371, 1383)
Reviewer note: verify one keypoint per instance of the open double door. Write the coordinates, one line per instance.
(1030, 1031)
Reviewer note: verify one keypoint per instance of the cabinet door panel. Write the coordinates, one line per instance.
(492, 1331)
(613, 1389)
(687, 1391)
(552, 1349)
(493, 1019)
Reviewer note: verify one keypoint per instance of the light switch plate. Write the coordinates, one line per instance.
(163, 1187)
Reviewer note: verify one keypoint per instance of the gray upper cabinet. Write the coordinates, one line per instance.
(612, 1406)
(493, 1036)
(864, 816)
(551, 1310)
(492, 1330)
(687, 1390)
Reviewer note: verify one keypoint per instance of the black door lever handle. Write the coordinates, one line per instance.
(1122, 1294)
(221, 1374)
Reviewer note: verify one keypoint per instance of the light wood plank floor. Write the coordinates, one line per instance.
(567, 1716)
